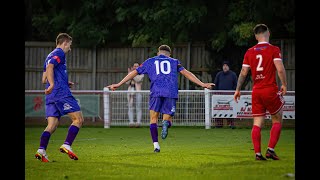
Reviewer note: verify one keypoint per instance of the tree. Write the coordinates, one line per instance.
(139, 22)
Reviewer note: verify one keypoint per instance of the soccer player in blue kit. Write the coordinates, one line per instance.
(163, 74)
(59, 99)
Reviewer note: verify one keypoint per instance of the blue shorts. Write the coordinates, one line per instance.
(163, 105)
(62, 107)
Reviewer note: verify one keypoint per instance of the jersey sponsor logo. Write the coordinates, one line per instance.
(260, 48)
(259, 76)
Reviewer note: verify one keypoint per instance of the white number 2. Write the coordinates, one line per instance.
(259, 68)
(161, 67)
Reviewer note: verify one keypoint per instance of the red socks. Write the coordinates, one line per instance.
(256, 138)
(274, 134)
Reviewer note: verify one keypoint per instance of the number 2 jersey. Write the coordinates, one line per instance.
(163, 74)
(260, 58)
(61, 87)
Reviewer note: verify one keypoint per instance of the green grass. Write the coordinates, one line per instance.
(187, 153)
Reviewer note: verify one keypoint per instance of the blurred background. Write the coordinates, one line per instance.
(109, 35)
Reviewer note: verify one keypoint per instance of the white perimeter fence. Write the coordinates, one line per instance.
(193, 108)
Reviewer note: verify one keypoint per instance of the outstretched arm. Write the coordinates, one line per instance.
(129, 70)
(131, 75)
(242, 77)
(189, 75)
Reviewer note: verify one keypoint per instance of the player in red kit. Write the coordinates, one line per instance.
(264, 60)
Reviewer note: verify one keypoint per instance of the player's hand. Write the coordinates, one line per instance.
(113, 86)
(70, 84)
(283, 90)
(208, 85)
(236, 96)
(48, 90)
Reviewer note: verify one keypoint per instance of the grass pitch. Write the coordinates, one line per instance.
(187, 153)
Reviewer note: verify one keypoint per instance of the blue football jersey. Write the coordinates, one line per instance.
(163, 74)
(61, 87)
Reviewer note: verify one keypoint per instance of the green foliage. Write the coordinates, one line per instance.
(219, 41)
(242, 33)
(243, 10)
(41, 22)
(245, 14)
(290, 26)
(139, 22)
(159, 22)
(85, 28)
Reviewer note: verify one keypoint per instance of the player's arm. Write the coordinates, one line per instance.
(129, 70)
(242, 76)
(131, 75)
(50, 77)
(44, 77)
(282, 75)
(189, 75)
(138, 78)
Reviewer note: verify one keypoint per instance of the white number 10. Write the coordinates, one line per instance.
(161, 67)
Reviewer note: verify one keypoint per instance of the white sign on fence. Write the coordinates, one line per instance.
(223, 106)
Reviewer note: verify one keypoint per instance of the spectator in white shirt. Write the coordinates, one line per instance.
(135, 84)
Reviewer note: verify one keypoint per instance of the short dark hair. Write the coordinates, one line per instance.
(260, 28)
(164, 48)
(62, 37)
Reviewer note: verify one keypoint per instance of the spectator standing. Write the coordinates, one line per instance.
(225, 79)
(135, 98)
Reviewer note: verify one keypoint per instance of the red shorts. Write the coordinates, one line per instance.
(266, 99)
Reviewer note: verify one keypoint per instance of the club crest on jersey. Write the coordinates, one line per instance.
(66, 106)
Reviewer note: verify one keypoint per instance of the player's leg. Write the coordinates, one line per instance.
(166, 124)
(139, 108)
(53, 116)
(154, 107)
(77, 120)
(256, 136)
(130, 110)
(258, 113)
(275, 108)
(168, 109)
(71, 107)
(154, 130)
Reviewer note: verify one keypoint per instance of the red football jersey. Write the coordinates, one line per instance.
(260, 60)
